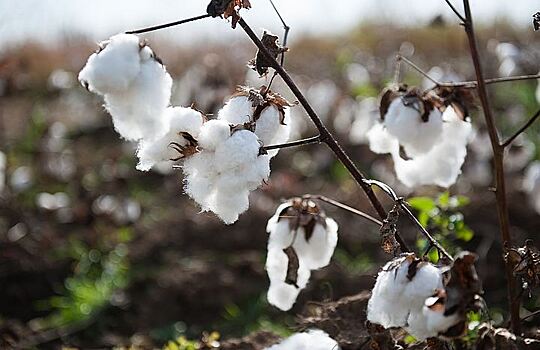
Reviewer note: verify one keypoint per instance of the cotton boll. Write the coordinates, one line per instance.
(138, 111)
(380, 141)
(238, 110)
(442, 164)
(239, 149)
(281, 294)
(153, 151)
(200, 176)
(113, 68)
(281, 235)
(310, 340)
(405, 123)
(318, 251)
(425, 282)
(269, 128)
(228, 205)
(213, 133)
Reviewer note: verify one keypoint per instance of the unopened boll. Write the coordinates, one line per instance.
(311, 340)
(313, 253)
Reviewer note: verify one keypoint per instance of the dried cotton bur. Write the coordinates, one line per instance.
(526, 264)
(426, 134)
(314, 339)
(425, 300)
(222, 158)
(301, 239)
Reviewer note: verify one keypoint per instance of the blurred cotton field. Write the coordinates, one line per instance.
(99, 245)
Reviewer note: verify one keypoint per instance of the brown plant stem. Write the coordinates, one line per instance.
(521, 130)
(342, 206)
(167, 25)
(498, 157)
(303, 142)
(325, 135)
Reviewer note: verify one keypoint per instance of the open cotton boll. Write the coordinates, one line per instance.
(380, 141)
(153, 151)
(137, 112)
(405, 123)
(281, 294)
(442, 164)
(114, 67)
(200, 177)
(242, 147)
(237, 110)
(430, 323)
(229, 204)
(311, 340)
(213, 133)
(318, 251)
(425, 282)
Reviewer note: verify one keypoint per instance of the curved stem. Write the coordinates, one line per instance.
(459, 15)
(498, 157)
(343, 206)
(521, 130)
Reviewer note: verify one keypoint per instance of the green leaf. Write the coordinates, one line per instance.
(422, 204)
(444, 200)
(465, 234)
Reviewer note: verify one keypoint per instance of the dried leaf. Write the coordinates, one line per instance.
(536, 21)
(388, 231)
(227, 8)
(292, 266)
(260, 64)
(262, 98)
(185, 150)
(525, 262)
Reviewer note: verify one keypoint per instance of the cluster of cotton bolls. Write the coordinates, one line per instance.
(301, 225)
(407, 294)
(222, 163)
(314, 339)
(433, 142)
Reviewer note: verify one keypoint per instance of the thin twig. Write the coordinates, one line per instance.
(303, 142)
(534, 313)
(400, 57)
(521, 130)
(286, 29)
(343, 206)
(459, 15)
(326, 136)
(432, 241)
(167, 25)
(498, 158)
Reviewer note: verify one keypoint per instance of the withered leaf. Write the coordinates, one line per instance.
(262, 98)
(388, 231)
(388, 95)
(292, 266)
(227, 8)
(186, 150)
(260, 64)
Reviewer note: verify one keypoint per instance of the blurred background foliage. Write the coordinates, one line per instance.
(96, 254)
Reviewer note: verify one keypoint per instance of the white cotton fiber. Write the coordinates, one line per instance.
(135, 86)
(226, 168)
(213, 133)
(313, 254)
(531, 184)
(365, 117)
(154, 151)
(442, 164)
(268, 127)
(380, 141)
(406, 125)
(311, 340)
(114, 67)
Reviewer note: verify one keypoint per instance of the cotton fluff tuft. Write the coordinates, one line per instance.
(220, 176)
(311, 340)
(399, 298)
(313, 253)
(154, 151)
(135, 86)
(441, 165)
(531, 184)
(406, 125)
(268, 127)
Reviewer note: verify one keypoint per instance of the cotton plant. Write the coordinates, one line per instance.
(314, 339)
(301, 239)
(412, 294)
(223, 159)
(426, 138)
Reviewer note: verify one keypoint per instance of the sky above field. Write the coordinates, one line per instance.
(49, 20)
